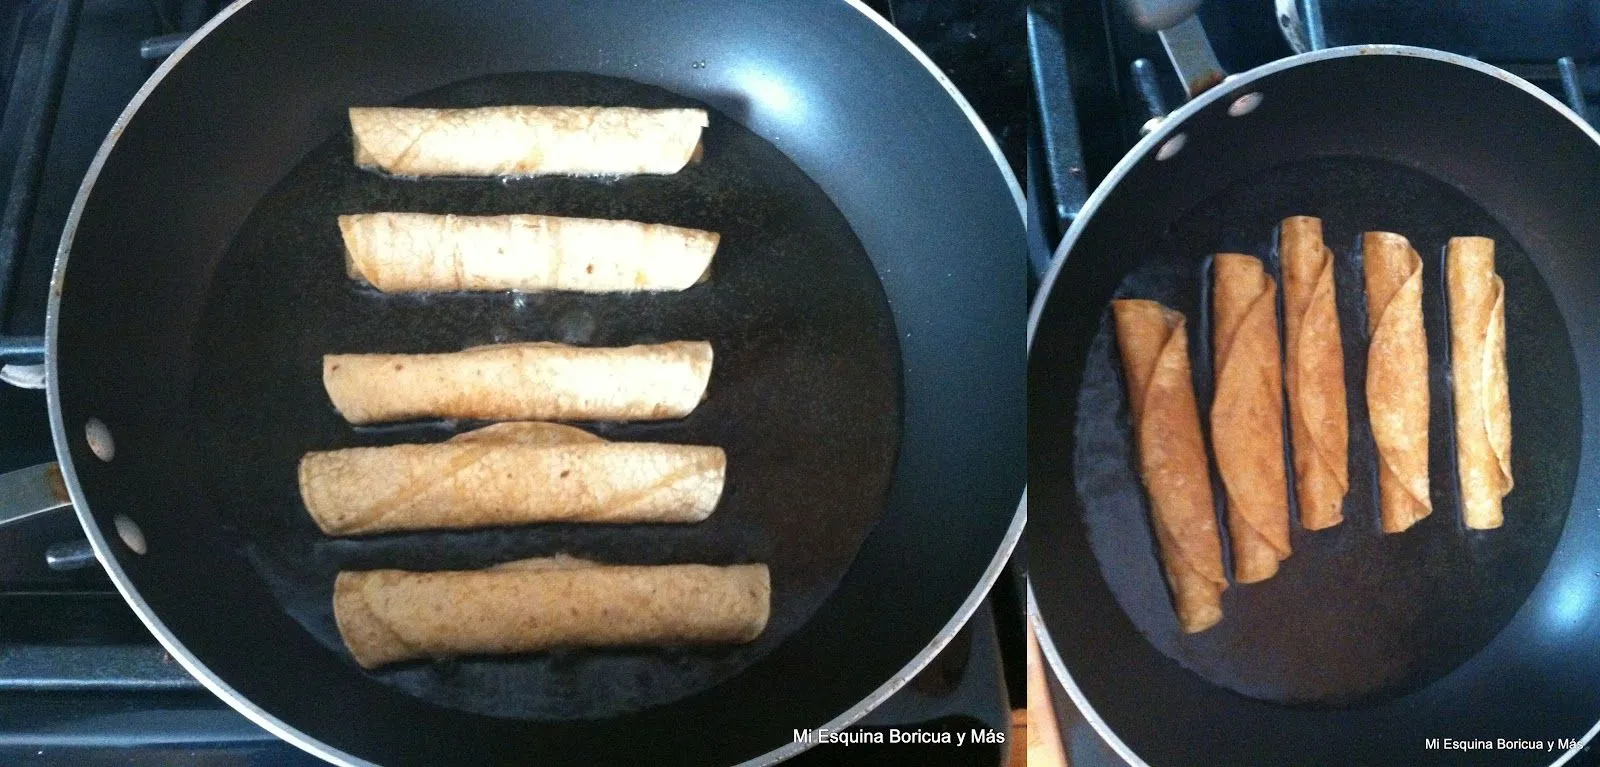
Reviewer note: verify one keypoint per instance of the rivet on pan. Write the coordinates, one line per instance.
(1173, 146)
(99, 439)
(129, 532)
(1244, 104)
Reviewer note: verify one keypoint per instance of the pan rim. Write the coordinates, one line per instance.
(1233, 83)
(1134, 156)
(278, 727)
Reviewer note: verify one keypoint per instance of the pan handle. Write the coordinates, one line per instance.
(1156, 15)
(1181, 33)
(32, 491)
(23, 376)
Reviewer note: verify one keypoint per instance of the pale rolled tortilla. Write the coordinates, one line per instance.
(420, 252)
(1247, 414)
(525, 381)
(1319, 418)
(526, 140)
(1397, 377)
(509, 474)
(1172, 457)
(386, 616)
(1478, 368)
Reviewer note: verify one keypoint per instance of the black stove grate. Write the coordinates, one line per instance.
(31, 115)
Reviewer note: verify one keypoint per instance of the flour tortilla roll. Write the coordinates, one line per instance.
(1478, 369)
(1247, 414)
(525, 381)
(1172, 457)
(1397, 377)
(532, 605)
(421, 252)
(526, 140)
(1314, 377)
(509, 474)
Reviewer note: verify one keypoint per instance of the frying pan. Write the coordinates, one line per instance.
(1365, 649)
(868, 386)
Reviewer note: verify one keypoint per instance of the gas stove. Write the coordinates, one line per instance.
(81, 680)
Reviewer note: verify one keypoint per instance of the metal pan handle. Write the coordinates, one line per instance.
(1181, 33)
(1156, 15)
(23, 376)
(27, 493)
(32, 491)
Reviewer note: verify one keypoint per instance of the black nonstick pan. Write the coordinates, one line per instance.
(867, 388)
(1436, 646)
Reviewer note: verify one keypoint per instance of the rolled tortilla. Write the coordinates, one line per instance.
(509, 474)
(418, 252)
(532, 605)
(1172, 457)
(525, 381)
(1247, 414)
(526, 140)
(1478, 368)
(1397, 377)
(1318, 417)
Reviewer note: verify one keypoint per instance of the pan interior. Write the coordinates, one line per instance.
(1354, 615)
(805, 395)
